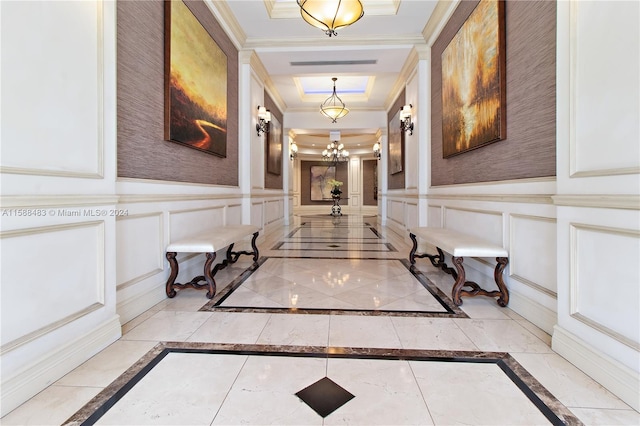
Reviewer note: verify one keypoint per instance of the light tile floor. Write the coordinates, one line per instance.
(203, 388)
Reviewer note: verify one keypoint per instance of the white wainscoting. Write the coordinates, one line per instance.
(140, 248)
(29, 275)
(58, 168)
(152, 222)
(525, 226)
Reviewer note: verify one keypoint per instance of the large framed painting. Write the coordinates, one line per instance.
(320, 178)
(396, 139)
(195, 83)
(473, 82)
(274, 147)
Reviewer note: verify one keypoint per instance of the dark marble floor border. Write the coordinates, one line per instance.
(450, 309)
(544, 401)
(389, 246)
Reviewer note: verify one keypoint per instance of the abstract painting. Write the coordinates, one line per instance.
(473, 82)
(195, 83)
(320, 178)
(396, 136)
(274, 147)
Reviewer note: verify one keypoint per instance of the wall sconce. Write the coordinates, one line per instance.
(293, 150)
(264, 117)
(405, 119)
(376, 150)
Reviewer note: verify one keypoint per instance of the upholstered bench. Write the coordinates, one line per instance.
(209, 243)
(459, 246)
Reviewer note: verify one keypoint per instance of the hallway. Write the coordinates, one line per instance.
(336, 298)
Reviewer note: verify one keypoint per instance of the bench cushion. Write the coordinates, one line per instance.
(459, 244)
(213, 240)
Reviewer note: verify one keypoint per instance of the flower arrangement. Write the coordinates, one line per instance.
(335, 188)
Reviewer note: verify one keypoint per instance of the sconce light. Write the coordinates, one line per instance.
(293, 150)
(405, 119)
(376, 150)
(264, 117)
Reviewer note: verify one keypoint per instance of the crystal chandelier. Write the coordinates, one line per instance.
(335, 152)
(333, 107)
(329, 15)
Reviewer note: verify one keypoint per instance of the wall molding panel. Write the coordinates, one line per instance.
(82, 240)
(140, 248)
(533, 237)
(592, 247)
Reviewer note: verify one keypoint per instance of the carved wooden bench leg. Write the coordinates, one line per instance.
(171, 257)
(503, 300)
(475, 289)
(208, 276)
(460, 281)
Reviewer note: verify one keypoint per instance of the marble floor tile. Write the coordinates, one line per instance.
(567, 383)
(473, 394)
(52, 406)
(363, 332)
(107, 365)
(199, 385)
(501, 336)
(606, 417)
(264, 392)
(483, 308)
(168, 326)
(300, 330)
(431, 333)
(388, 382)
(227, 327)
(245, 297)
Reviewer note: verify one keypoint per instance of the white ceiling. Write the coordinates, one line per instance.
(377, 46)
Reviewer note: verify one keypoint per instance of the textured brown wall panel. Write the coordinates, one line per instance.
(369, 182)
(142, 151)
(272, 181)
(530, 147)
(342, 174)
(396, 181)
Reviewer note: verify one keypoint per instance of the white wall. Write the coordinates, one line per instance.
(598, 231)
(58, 222)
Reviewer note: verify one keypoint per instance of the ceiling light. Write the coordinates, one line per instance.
(329, 15)
(333, 107)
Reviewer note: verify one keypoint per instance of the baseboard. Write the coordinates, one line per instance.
(537, 314)
(32, 379)
(617, 378)
(134, 306)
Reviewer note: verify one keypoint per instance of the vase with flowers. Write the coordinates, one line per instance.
(335, 188)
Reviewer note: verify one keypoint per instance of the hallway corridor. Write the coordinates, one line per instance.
(335, 298)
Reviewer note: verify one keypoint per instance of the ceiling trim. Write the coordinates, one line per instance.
(381, 40)
(290, 10)
(225, 17)
(408, 69)
(440, 16)
(262, 73)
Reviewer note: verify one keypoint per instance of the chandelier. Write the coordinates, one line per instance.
(333, 107)
(335, 152)
(329, 15)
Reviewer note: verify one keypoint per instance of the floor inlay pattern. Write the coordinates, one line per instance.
(236, 377)
(353, 287)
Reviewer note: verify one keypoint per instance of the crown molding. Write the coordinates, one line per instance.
(440, 16)
(228, 21)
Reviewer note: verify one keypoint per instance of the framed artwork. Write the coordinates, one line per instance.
(195, 83)
(320, 178)
(473, 82)
(396, 139)
(274, 147)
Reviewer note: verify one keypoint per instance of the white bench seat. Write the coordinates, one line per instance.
(208, 243)
(459, 246)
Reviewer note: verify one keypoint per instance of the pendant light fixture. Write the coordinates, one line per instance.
(329, 15)
(333, 107)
